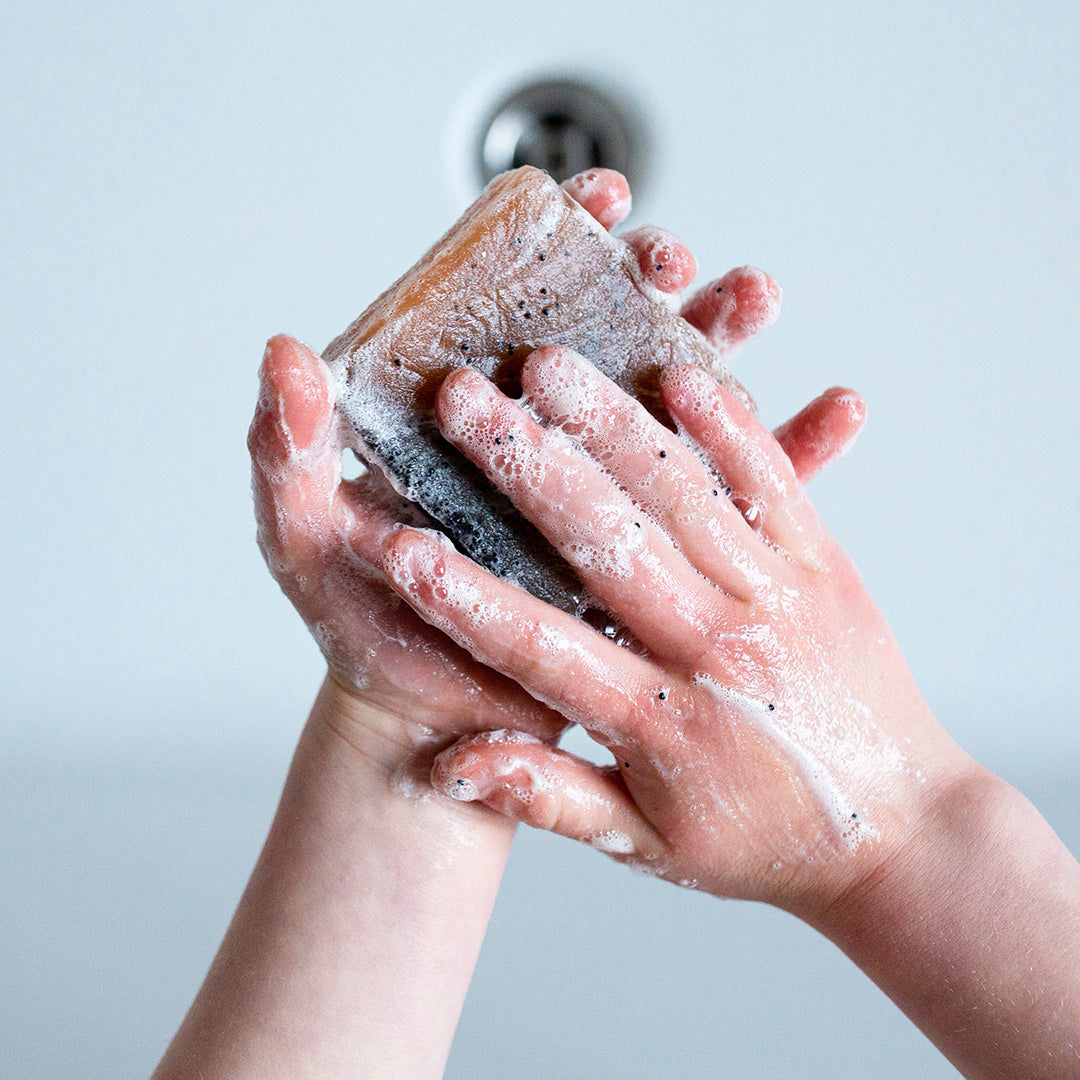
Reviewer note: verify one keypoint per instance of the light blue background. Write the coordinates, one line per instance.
(180, 181)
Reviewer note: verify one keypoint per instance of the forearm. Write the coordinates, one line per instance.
(974, 931)
(352, 948)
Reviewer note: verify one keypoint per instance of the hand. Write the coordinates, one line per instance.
(321, 535)
(769, 741)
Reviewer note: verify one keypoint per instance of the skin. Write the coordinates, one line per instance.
(732, 309)
(768, 740)
(353, 945)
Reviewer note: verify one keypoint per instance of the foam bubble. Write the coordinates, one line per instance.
(611, 842)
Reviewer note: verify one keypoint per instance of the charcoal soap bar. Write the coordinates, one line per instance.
(524, 266)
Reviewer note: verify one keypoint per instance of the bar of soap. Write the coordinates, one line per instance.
(524, 266)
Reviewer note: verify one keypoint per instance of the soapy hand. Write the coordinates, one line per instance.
(769, 742)
(321, 535)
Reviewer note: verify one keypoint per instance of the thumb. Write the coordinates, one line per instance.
(520, 776)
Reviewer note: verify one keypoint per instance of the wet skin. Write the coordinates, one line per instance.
(769, 741)
(321, 537)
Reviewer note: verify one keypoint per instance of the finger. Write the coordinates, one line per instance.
(294, 410)
(368, 508)
(619, 553)
(604, 193)
(302, 501)
(664, 261)
(734, 308)
(295, 464)
(547, 788)
(616, 695)
(650, 463)
(742, 452)
(822, 431)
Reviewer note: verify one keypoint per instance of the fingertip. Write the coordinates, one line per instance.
(469, 770)
(460, 395)
(735, 307)
(415, 563)
(284, 354)
(664, 261)
(685, 387)
(449, 776)
(604, 193)
(294, 385)
(395, 547)
(850, 403)
(544, 363)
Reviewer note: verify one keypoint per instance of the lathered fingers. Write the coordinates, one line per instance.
(741, 450)
(624, 560)
(525, 779)
(558, 659)
(651, 464)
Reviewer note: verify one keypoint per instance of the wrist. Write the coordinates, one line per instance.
(973, 928)
(392, 747)
(361, 922)
(379, 763)
(960, 818)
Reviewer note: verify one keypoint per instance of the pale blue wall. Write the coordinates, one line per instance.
(177, 183)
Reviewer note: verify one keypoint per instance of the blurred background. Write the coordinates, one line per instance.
(180, 181)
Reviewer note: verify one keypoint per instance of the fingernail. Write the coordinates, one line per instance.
(465, 789)
(447, 776)
(303, 395)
